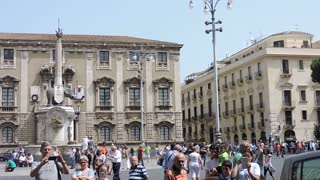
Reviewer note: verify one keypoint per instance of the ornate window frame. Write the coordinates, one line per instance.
(104, 82)
(107, 64)
(162, 65)
(14, 128)
(163, 83)
(9, 82)
(4, 63)
(134, 82)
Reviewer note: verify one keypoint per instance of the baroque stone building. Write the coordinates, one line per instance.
(265, 92)
(106, 70)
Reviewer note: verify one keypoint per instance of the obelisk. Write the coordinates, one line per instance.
(58, 87)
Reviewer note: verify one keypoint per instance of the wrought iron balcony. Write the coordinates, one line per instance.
(225, 87)
(288, 105)
(286, 73)
(242, 127)
(250, 109)
(260, 107)
(240, 82)
(225, 114)
(249, 79)
(258, 75)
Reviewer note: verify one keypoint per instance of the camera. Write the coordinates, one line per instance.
(52, 158)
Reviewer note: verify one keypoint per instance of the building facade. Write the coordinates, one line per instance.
(106, 70)
(265, 93)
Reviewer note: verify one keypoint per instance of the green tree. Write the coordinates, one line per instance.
(316, 131)
(315, 68)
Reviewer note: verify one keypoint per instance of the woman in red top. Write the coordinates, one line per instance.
(277, 149)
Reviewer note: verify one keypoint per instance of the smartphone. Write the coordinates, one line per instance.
(244, 162)
(52, 158)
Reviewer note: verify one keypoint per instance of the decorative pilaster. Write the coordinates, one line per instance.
(120, 126)
(178, 126)
(149, 126)
(23, 128)
(89, 120)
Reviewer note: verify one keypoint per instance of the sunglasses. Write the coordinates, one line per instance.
(83, 162)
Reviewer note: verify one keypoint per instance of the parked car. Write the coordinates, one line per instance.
(5, 155)
(302, 166)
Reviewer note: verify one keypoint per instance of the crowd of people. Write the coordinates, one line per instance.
(179, 161)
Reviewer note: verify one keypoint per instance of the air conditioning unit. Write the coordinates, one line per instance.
(35, 93)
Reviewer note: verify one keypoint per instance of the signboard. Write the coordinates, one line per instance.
(58, 93)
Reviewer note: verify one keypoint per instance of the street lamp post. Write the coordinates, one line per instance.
(140, 55)
(210, 6)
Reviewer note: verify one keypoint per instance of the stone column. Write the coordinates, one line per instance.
(24, 97)
(150, 127)
(89, 120)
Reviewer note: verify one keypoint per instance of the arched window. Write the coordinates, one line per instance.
(164, 133)
(244, 136)
(105, 134)
(135, 133)
(7, 135)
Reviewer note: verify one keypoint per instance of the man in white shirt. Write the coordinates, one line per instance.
(116, 162)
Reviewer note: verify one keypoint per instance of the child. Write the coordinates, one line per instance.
(226, 170)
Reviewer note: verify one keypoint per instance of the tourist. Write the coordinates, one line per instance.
(115, 156)
(89, 156)
(102, 170)
(77, 156)
(245, 169)
(212, 163)
(47, 167)
(169, 156)
(267, 164)
(224, 155)
(84, 172)
(194, 164)
(226, 170)
(85, 144)
(203, 152)
(11, 165)
(72, 153)
(259, 158)
(137, 171)
(125, 158)
(104, 149)
(29, 160)
(22, 160)
(140, 154)
(177, 171)
(147, 151)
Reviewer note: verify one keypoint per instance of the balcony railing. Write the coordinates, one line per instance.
(250, 109)
(8, 108)
(261, 126)
(241, 111)
(258, 75)
(289, 124)
(240, 82)
(225, 87)
(234, 129)
(260, 107)
(251, 126)
(288, 105)
(242, 127)
(225, 114)
(232, 84)
(248, 79)
(233, 113)
(286, 73)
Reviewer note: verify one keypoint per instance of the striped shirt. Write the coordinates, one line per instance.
(137, 172)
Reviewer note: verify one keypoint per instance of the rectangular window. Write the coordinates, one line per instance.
(301, 67)
(209, 85)
(305, 44)
(287, 98)
(317, 98)
(183, 115)
(104, 98)
(163, 97)
(201, 111)
(134, 57)
(261, 100)
(195, 113)
(242, 104)
(104, 58)
(304, 114)
(162, 58)
(134, 96)
(194, 93)
(210, 107)
(249, 72)
(240, 75)
(278, 43)
(234, 106)
(303, 95)
(285, 66)
(189, 114)
(201, 92)
(8, 57)
(7, 97)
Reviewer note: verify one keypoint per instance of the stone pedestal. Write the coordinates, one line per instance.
(55, 125)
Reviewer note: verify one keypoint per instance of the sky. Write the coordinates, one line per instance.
(166, 20)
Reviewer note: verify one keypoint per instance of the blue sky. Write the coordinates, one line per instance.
(167, 20)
